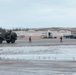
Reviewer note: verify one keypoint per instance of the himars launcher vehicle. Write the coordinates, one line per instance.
(8, 37)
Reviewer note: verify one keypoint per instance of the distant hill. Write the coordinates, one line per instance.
(73, 30)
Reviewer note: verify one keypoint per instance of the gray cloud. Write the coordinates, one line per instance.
(37, 13)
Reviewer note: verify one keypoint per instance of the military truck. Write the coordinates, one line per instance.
(8, 37)
(72, 36)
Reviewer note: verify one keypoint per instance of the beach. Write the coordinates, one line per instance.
(40, 57)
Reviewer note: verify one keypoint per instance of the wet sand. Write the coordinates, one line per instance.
(34, 67)
(38, 67)
(39, 42)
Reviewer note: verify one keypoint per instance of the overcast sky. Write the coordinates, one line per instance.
(37, 13)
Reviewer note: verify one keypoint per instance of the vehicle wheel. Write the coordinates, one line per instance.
(8, 41)
(0, 40)
(12, 40)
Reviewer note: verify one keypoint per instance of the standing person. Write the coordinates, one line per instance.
(30, 39)
(61, 39)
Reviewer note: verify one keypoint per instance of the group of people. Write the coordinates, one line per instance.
(60, 39)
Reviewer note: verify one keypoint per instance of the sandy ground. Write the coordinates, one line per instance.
(34, 67)
(40, 42)
(37, 67)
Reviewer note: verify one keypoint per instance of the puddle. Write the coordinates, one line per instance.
(41, 57)
(39, 52)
